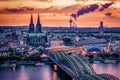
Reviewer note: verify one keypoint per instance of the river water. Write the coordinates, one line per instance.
(46, 72)
(113, 69)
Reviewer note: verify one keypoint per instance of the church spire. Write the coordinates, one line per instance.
(31, 20)
(38, 20)
(31, 25)
(38, 25)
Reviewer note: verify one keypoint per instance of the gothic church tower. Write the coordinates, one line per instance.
(38, 25)
(31, 25)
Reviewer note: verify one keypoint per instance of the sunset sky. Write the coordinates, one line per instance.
(85, 13)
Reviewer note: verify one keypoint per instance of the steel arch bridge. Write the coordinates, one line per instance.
(77, 67)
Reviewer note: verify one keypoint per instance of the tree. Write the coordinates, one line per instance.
(33, 57)
(90, 56)
(67, 41)
(115, 55)
(14, 57)
(69, 53)
(11, 50)
(41, 49)
(3, 58)
(11, 57)
(104, 55)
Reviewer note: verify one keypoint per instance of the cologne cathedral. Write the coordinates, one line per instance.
(35, 36)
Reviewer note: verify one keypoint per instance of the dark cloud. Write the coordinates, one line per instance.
(108, 14)
(27, 8)
(84, 10)
(92, 8)
(18, 10)
(104, 6)
(14, 10)
(74, 16)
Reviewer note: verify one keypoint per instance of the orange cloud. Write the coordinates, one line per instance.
(44, 0)
(7, 0)
(34, 0)
(18, 13)
(81, 0)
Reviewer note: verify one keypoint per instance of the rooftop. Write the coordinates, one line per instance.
(90, 41)
(36, 34)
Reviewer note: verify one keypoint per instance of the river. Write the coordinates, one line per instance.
(46, 72)
(113, 69)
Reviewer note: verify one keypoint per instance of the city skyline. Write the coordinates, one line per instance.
(86, 13)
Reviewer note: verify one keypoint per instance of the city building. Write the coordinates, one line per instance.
(35, 36)
(24, 49)
(93, 46)
(101, 28)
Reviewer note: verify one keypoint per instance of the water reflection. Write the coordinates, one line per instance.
(46, 72)
(14, 68)
(23, 74)
(54, 75)
(113, 69)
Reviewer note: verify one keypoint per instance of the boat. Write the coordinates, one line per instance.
(39, 64)
(110, 61)
(96, 62)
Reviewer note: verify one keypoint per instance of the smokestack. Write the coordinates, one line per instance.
(70, 22)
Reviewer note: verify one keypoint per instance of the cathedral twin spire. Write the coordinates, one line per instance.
(38, 25)
(31, 20)
(31, 25)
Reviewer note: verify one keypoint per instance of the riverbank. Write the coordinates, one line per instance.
(49, 62)
(48, 70)
(10, 63)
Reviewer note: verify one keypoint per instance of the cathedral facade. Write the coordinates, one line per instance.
(35, 36)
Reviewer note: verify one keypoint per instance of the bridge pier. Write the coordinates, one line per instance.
(56, 68)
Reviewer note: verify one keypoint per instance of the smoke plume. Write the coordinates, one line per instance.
(104, 6)
(91, 8)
